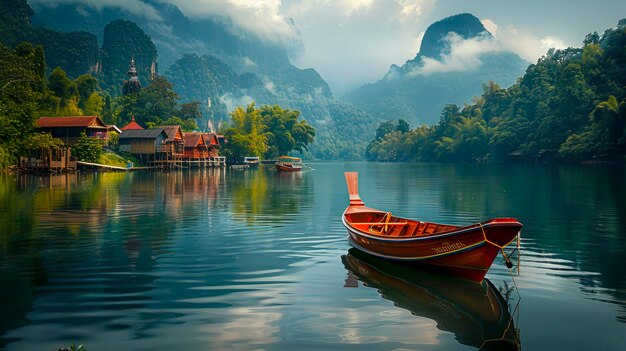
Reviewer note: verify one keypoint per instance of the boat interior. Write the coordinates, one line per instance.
(385, 224)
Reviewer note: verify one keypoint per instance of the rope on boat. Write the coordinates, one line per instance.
(509, 265)
(509, 326)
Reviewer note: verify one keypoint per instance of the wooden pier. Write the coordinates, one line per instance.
(218, 161)
(111, 168)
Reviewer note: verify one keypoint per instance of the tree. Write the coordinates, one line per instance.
(384, 128)
(284, 131)
(61, 85)
(269, 131)
(448, 114)
(18, 100)
(42, 141)
(190, 110)
(88, 149)
(244, 134)
(187, 125)
(86, 85)
(93, 105)
(605, 137)
(591, 38)
(157, 101)
(154, 104)
(403, 126)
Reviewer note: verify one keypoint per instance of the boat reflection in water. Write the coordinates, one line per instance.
(476, 313)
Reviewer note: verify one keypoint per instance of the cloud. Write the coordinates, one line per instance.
(490, 25)
(261, 17)
(136, 7)
(352, 42)
(413, 9)
(526, 45)
(465, 53)
(247, 62)
(232, 102)
(345, 8)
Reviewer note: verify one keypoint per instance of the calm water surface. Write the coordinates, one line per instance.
(240, 260)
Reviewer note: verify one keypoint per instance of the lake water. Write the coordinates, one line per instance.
(254, 259)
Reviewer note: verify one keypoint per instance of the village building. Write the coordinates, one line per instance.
(195, 147)
(132, 125)
(132, 85)
(145, 144)
(70, 128)
(174, 145)
(213, 144)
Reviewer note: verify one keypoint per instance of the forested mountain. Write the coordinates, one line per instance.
(76, 52)
(176, 35)
(123, 41)
(219, 64)
(437, 76)
(571, 104)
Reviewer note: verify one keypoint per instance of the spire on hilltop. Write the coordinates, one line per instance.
(132, 85)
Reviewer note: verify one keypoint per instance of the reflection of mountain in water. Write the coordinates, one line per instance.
(476, 313)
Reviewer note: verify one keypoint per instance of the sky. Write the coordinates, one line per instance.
(353, 42)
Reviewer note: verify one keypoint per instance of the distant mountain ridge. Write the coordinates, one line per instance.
(465, 25)
(417, 95)
(210, 60)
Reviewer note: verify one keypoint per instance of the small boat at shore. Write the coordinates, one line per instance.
(464, 251)
(288, 164)
(251, 161)
(477, 314)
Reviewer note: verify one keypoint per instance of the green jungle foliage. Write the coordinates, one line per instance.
(112, 159)
(27, 94)
(123, 41)
(21, 89)
(76, 52)
(409, 93)
(240, 69)
(571, 103)
(204, 77)
(156, 104)
(88, 149)
(267, 132)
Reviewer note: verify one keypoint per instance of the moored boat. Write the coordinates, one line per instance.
(465, 251)
(288, 164)
(477, 314)
(251, 161)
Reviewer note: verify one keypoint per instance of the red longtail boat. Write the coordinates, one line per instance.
(465, 251)
(288, 164)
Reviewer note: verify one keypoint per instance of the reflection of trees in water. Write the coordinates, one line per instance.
(264, 195)
(102, 232)
(574, 211)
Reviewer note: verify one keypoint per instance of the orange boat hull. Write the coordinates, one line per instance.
(284, 168)
(467, 251)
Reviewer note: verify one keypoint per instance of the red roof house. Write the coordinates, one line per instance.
(213, 143)
(132, 125)
(69, 128)
(195, 146)
(175, 142)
